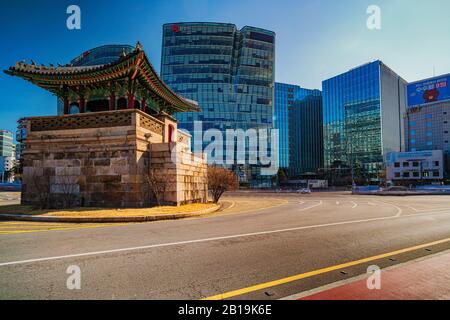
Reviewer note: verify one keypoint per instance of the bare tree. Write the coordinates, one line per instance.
(157, 184)
(221, 180)
(67, 186)
(40, 189)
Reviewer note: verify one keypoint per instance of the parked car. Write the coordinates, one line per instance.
(304, 191)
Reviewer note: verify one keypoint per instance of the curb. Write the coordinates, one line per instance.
(176, 216)
(400, 193)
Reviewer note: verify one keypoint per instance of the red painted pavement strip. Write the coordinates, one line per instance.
(427, 279)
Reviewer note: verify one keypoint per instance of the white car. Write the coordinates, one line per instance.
(304, 191)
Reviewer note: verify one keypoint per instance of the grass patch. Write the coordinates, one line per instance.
(105, 212)
(19, 209)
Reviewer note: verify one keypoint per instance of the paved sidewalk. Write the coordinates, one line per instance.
(423, 279)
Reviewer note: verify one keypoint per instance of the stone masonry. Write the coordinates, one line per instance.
(105, 159)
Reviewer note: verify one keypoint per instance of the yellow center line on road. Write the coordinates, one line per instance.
(309, 274)
(62, 228)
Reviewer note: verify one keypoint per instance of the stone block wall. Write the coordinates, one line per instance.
(77, 160)
(184, 172)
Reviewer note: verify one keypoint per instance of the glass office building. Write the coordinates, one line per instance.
(7, 153)
(298, 117)
(230, 73)
(97, 56)
(362, 118)
(101, 55)
(306, 137)
(6, 143)
(427, 122)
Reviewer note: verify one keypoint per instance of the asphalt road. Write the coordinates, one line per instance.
(244, 255)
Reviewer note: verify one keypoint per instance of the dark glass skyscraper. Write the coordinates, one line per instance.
(298, 117)
(230, 73)
(362, 117)
(306, 136)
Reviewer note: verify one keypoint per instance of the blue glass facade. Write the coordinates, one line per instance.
(101, 55)
(230, 73)
(362, 117)
(290, 119)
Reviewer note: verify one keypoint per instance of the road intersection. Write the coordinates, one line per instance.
(240, 253)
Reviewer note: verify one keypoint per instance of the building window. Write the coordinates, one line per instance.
(412, 123)
(397, 164)
(436, 174)
(413, 132)
(425, 174)
(405, 164)
(397, 174)
(429, 143)
(405, 174)
(415, 174)
(413, 149)
(413, 141)
(436, 163)
(415, 164)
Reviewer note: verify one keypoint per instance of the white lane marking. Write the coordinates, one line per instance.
(399, 210)
(354, 204)
(232, 205)
(218, 238)
(412, 208)
(434, 209)
(313, 206)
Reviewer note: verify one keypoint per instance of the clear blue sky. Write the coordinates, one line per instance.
(316, 39)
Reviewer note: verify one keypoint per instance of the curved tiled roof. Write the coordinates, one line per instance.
(135, 65)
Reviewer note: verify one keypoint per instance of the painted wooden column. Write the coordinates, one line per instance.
(130, 101)
(66, 105)
(82, 103)
(112, 101)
